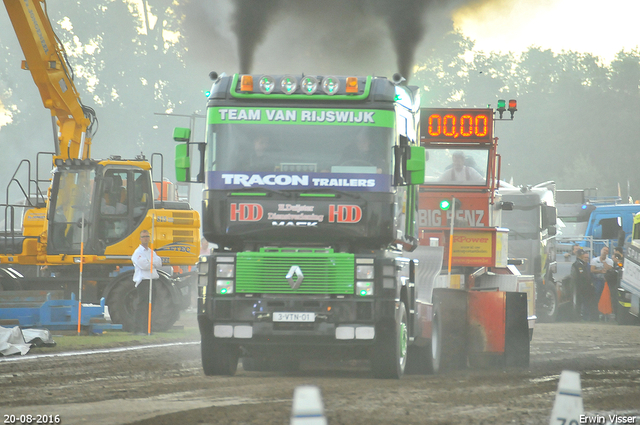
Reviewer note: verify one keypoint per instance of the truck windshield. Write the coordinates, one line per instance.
(299, 148)
(71, 202)
(457, 167)
(522, 224)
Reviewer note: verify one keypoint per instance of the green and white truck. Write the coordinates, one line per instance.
(311, 193)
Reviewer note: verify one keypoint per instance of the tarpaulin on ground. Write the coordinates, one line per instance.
(19, 341)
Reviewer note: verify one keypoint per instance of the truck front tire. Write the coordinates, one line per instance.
(389, 358)
(217, 359)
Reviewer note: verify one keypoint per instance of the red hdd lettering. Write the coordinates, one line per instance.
(344, 213)
(246, 212)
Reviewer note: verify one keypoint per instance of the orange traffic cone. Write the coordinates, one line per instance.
(604, 305)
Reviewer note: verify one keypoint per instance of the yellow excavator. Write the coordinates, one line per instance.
(93, 210)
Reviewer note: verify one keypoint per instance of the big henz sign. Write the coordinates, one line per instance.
(437, 218)
(251, 212)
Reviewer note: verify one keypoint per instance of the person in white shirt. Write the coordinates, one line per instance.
(599, 267)
(459, 173)
(144, 272)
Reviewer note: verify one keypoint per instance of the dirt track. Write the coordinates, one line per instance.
(165, 385)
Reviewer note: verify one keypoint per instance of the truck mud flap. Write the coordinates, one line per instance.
(498, 329)
(516, 346)
(449, 334)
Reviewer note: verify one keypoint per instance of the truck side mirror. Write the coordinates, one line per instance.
(181, 134)
(550, 218)
(416, 164)
(183, 162)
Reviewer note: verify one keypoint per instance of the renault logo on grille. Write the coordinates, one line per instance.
(295, 270)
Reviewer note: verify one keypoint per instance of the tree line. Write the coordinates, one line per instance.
(577, 121)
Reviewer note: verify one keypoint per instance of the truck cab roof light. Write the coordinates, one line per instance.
(267, 84)
(352, 85)
(289, 84)
(246, 83)
(330, 85)
(309, 85)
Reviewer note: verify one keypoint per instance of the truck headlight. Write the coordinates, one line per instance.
(364, 271)
(364, 288)
(224, 286)
(225, 270)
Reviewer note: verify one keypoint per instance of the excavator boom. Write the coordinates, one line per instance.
(46, 61)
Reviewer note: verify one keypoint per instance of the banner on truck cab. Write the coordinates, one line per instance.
(301, 116)
(223, 180)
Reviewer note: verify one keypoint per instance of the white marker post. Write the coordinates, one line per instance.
(568, 408)
(307, 408)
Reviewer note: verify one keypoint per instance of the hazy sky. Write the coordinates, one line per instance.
(599, 27)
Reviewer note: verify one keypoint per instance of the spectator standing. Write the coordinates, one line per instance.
(142, 261)
(612, 278)
(585, 292)
(599, 267)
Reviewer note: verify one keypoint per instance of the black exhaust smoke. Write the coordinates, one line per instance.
(407, 27)
(404, 19)
(251, 19)
(359, 27)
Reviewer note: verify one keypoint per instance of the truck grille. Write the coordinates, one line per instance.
(324, 272)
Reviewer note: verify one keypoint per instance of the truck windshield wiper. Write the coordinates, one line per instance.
(331, 190)
(261, 189)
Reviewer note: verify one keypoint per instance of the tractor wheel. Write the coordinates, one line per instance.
(122, 299)
(389, 358)
(121, 302)
(448, 341)
(217, 359)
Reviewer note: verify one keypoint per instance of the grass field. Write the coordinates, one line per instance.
(185, 330)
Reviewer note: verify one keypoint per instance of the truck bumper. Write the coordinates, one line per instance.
(251, 321)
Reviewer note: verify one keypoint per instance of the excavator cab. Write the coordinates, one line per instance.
(96, 204)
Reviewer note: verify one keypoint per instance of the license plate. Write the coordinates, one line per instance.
(294, 317)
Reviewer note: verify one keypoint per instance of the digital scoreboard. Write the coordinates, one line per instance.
(459, 125)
